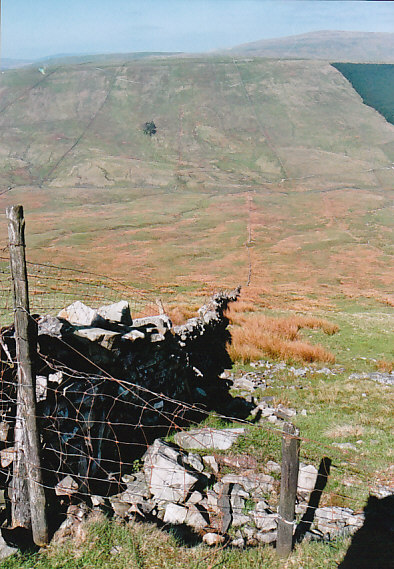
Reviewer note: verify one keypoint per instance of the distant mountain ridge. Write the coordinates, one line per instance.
(9, 63)
(365, 47)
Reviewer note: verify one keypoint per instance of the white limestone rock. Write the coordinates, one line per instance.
(307, 477)
(168, 480)
(160, 324)
(174, 514)
(266, 537)
(117, 312)
(213, 539)
(195, 519)
(133, 335)
(7, 456)
(6, 550)
(206, 438)
(210, 461)
(80, 314)
(66, 487)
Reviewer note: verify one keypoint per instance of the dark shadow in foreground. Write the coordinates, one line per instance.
(372, 545)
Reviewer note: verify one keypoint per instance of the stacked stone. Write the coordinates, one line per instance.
(108, 385)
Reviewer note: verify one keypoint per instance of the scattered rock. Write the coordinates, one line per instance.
(7, 456)
(174, 514)
(195, 498)
(168, 480)
(4, 428)
(161, 324)
(243, 461)
(195, 519)
(264, 521)
(218, 439)
(307, 477)
(345, 446)
(118, 312)
(210, 461)
(79, 314)
(266, 536)
(213, 539)
(66, 487)
(274, 467)
(238, 542)
(105, 338)
(6, 550)
(337, 522)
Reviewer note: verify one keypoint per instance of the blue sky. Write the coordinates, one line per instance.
(36, 28)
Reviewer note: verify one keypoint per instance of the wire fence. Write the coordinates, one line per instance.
(97, 427)
(98, 418)
(52, 288)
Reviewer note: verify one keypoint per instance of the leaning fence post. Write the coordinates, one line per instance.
(28, 500)
(288, 489)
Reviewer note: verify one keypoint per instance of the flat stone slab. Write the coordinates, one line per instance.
(161, 323)
(106, 338)
(201, 439)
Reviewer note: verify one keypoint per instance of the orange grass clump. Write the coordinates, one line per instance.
(180, 313)
(253, 336)
(385, 366)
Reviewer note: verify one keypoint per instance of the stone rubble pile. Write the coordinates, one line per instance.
(386, 378)
(191, 485)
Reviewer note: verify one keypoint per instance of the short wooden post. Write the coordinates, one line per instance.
(288, 489)
(28, 500)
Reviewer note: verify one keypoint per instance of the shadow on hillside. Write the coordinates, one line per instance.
(372, 545)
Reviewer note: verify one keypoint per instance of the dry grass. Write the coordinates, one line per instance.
(253, 336)
(385, 366)
(180, 313)
(316, 324)
(341, 431)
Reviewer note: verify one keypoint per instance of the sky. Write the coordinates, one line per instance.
(32, 29)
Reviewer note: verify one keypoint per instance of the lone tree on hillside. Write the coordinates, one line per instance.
(150, 128)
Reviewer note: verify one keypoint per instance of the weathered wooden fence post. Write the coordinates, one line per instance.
(28, 497)
(288, 489)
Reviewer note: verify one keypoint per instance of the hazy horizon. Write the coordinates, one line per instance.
(51, 27)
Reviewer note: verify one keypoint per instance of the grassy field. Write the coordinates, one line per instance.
(103, 544)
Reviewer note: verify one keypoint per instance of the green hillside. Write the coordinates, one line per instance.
(281, 153)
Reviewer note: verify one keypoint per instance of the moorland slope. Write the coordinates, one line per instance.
(363, 47)
(271, 166)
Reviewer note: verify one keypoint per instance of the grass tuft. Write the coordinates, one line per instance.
(385, 366)
(277, 338)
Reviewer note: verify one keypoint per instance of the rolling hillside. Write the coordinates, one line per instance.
(271, 166)
(363, 47)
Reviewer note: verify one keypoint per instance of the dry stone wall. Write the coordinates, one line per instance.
(108, 385)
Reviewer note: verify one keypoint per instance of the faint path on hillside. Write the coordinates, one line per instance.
(249, 242)
(49, 174)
